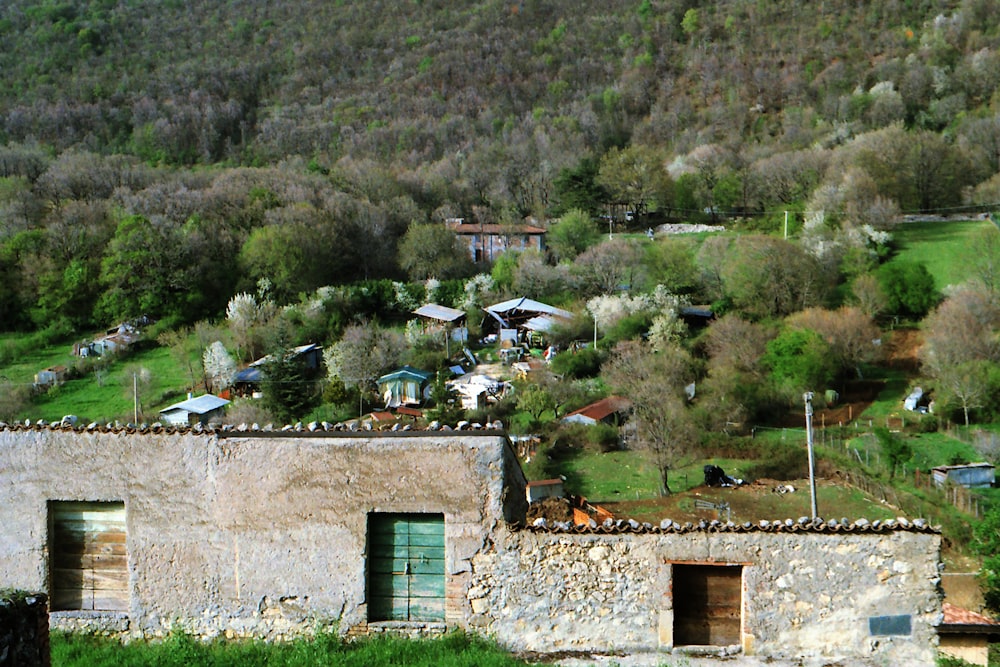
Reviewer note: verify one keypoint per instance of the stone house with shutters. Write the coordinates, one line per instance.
(276, 534)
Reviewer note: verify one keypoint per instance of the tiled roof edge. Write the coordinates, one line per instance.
(802, 525)
(351, 428)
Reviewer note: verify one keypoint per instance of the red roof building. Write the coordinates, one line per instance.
(966, 634)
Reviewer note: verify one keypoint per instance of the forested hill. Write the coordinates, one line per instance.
(412, 83)
(241, 135)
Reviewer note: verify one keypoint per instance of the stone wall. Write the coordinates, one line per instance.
(249, 535)
(264, 535)
(806, 593)
(24, 629)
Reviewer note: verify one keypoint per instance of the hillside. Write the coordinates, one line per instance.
(539, 84)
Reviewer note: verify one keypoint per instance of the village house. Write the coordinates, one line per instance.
(115, 339)
(247, 381)
(274, 534)
(967, 635)
(200, 410)
(611, 410)
(486, 242)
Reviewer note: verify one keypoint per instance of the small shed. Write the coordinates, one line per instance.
(404, 386)
(610, 410)
(516, 313)
(965, 634)
(198, 410)
(970, 475)
(450, 320)
(544, 488)
(50, 376)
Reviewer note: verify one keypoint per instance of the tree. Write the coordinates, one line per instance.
(219, 367)
(850, 334)
(982, 255)
(961, 349)
(636, 177)
(908, 287)
(535, 400)
(362, 355)
(289, 390)
(140, 271)
(655, 383)
(867, 294)
(185, 350)
(433, 251)
(897, 451)
(609, 266)
(537, 279)
(576, 188)
(248, 321)
(986, 543)
(768, 277)
(446, 405)
(573, 233)
(799, 360)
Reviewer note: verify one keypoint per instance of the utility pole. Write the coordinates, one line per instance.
(786, 225)
(135, 399)
(807, 397)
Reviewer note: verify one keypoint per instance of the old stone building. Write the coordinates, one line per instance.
(277, 534)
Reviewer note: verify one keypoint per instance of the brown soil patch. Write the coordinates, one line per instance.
(550, 509)
(901, 348)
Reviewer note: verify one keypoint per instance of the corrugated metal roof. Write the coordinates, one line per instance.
(439, 312)
(527, 305)
(199, 405)
(406, 373)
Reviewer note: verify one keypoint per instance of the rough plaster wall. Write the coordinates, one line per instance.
(249, 536)
(806, 595)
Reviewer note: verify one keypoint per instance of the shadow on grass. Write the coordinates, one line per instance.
(557, 457)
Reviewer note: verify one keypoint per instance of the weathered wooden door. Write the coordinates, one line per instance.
(88, 560)
(406, 567)
(707, 604)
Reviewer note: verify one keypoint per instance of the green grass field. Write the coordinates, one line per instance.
(943, 247)
(22, 365)
(453, 650)
(108, 394)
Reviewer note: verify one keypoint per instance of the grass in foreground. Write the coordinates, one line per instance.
(180, 650)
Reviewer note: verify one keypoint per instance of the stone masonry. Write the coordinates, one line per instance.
(263, 534)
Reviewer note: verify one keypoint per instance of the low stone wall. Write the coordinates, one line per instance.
(806, 594)
(24, 630)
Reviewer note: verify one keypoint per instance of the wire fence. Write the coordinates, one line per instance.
(857, 441)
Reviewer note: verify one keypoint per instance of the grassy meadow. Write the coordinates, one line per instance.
(943, 247)
(179, 650)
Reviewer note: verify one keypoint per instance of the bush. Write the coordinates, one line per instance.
(781, 462)
(585, 363)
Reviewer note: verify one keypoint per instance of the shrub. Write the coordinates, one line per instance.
(781, 462)
(583, 363)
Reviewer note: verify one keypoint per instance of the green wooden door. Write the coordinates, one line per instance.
(406, 567)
